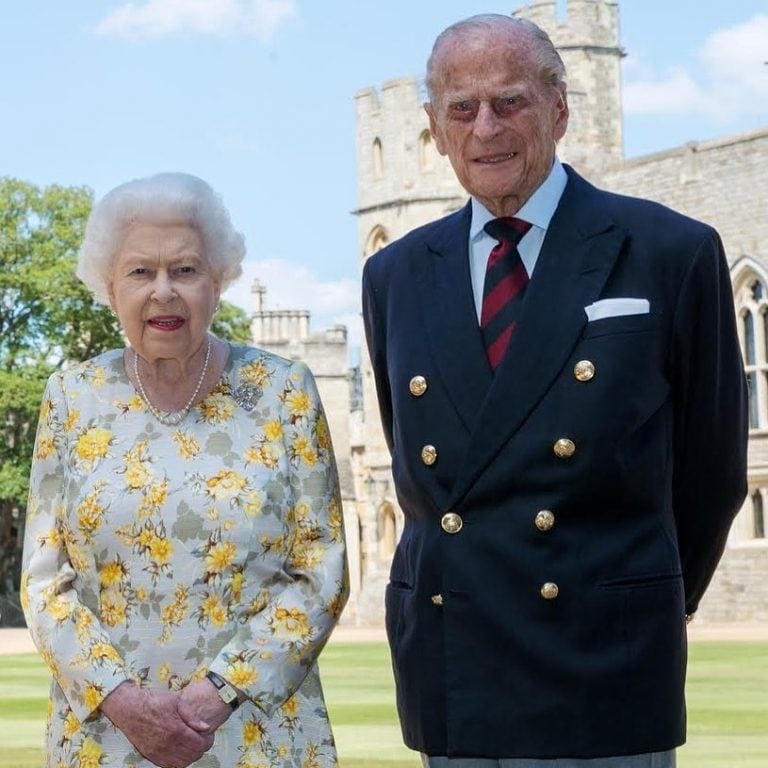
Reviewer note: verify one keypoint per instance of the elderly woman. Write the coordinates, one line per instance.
(184, 560)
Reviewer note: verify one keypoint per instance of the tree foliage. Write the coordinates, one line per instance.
(232, 323)
(47, 315)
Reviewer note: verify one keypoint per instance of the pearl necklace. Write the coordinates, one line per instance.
(171, 418)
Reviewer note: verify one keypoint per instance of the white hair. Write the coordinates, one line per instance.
(546, 56)
(159, 199)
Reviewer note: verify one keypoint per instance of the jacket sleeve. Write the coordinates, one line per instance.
(293, 612)
(710, 417)
(375, 334)
(67, 633)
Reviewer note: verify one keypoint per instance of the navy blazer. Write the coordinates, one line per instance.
(485, 666)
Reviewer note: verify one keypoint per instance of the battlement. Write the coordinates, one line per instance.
(270, 327)
(586, 23)
(396, 156)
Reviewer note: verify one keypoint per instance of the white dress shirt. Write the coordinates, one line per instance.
(538, 210)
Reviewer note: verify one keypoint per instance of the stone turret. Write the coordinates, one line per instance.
(402, 180)
(587, 39)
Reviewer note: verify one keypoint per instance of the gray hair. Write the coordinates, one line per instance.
(159, 199)
(546, 56)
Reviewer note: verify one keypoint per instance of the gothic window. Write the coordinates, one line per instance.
(426, 151)
(363, 547)
(378, 159)
(386, 531)
(749, 338)
(752, 307)
(758, 518)
(376, 240)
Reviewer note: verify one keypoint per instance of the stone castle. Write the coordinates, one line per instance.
(403, 183)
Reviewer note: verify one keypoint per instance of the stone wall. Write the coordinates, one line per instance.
(723, 182)
(739, 589)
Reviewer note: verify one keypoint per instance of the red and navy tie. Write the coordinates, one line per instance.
(505, 282)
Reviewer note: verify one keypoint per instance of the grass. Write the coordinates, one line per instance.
(360, 694)
(727, 707)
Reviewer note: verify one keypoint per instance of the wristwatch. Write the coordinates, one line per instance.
(226, 692)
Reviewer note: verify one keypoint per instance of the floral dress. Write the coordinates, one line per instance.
(156, 553)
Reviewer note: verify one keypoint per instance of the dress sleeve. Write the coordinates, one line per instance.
(67, 634)
(298, 609)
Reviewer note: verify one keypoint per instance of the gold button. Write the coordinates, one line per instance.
(549, 590)
(437, 599)
(544, 520)
(429, 455)
(418, 386)
(584, 370)
(451, 522)
(564, 448)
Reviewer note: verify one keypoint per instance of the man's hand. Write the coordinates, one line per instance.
(151, 721)
(201, 708)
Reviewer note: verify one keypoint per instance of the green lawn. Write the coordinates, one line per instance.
(727, 707)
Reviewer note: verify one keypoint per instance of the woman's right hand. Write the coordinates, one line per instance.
(151, 722)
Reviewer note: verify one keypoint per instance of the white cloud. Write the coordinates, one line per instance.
(733, 83)
(157, 19)
(735, 58)
(673, 93)
(291, 286)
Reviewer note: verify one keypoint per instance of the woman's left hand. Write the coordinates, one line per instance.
(201, 708)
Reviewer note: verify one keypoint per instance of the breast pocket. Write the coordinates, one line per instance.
(623, 324)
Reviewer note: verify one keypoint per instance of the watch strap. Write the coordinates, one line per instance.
(226, 691)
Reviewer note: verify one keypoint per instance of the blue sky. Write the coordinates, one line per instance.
(257, 97)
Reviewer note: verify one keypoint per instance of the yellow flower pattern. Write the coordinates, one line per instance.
(93, 445)
(225, 485)
(156, 553)
(89, 755)
(138, 471)
(187, 446)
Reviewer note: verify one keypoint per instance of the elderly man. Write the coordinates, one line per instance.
(562, 393)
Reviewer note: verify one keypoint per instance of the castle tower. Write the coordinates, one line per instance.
(402, 180)
(587, 39)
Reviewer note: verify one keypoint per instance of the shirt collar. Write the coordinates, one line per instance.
(538, 209)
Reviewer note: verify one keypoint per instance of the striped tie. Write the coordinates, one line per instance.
(505, 281)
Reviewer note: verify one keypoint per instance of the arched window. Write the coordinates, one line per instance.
(752, 307)
(758, 517)
(427, 151)
(749, 338)
(378, 159)
(376, 240)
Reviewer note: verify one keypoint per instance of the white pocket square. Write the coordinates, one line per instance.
(617, 308)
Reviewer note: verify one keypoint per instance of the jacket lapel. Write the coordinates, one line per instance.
(577, 256)
(450, 317)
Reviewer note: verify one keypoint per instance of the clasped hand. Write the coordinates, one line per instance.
(171, 728)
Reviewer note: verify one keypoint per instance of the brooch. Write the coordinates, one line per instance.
(247, 395)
